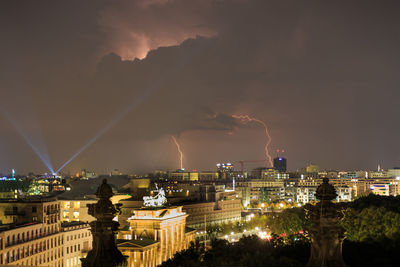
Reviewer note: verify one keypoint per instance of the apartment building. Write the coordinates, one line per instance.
(31, 234)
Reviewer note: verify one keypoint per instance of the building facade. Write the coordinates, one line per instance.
(155, 234)
(34, 236)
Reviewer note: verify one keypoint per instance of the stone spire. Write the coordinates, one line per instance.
(325, 232)
(105, 252)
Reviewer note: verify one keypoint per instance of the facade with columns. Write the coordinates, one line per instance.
(155, 234)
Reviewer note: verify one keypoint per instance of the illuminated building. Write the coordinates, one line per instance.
(155, 235)
(273, 174)
(225, 170)
(280, 164)
(343, 193)
(77, 241)
(305, 194)
(377, 174)
(208, 176)
(182, 175)
(312, 168)
(216, 206)
(257, 173)
(116, 172)
(88, 174)
(210, 213)
(31, 244)
(13, 188)
(213, 201)
(271, 194)
(380, 189)
(250, 190)
(393, 173)
(37, 237)
(18, 211)
(139, 186)
(76, 210)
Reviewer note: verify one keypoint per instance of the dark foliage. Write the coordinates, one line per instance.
(249, 251)
(388, 202)
(372, 225)
(371, 254)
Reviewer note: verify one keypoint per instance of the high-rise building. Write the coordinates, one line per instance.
(280, 164)
(225, 170)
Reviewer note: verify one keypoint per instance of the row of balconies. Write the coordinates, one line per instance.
(15, 256)
(26, 239)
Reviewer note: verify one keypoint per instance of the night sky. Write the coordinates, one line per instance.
(323, 75)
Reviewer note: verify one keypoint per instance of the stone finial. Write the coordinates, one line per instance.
(325, 231)
(325, 191)
(105, 252)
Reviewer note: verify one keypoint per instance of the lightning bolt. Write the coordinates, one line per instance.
(179, 150)
(246, 119)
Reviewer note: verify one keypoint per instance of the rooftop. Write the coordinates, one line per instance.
(28, 200)
(6, 227)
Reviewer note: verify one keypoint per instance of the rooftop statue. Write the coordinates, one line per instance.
(157, 201)
(326, 234)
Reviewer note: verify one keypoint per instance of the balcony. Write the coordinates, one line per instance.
(50, 212)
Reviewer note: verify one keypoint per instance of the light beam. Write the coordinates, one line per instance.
(121, 115)
(179, 151)
(161, 82)
(43, 155)
(246, 119)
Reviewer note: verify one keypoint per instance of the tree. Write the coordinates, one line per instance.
(371, 224)
(289, 221)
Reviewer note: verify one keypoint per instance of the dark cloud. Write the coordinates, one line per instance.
(323, 76)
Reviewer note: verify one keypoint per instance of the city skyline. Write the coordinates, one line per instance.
(322, 77)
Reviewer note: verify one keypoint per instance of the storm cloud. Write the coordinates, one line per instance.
(322, 76)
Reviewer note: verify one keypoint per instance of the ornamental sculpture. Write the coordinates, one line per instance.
(157, 201)
(326, 234)
(105, 252)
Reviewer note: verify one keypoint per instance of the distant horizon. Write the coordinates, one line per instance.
(128, 172)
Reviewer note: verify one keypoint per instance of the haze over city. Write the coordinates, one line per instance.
(105, 84)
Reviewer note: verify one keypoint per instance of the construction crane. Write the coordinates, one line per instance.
(242, 162)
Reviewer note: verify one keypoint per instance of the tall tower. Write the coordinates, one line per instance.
(280, 164)
(105, 252)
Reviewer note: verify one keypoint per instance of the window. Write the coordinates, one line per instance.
(77, 205)
(34, 209)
